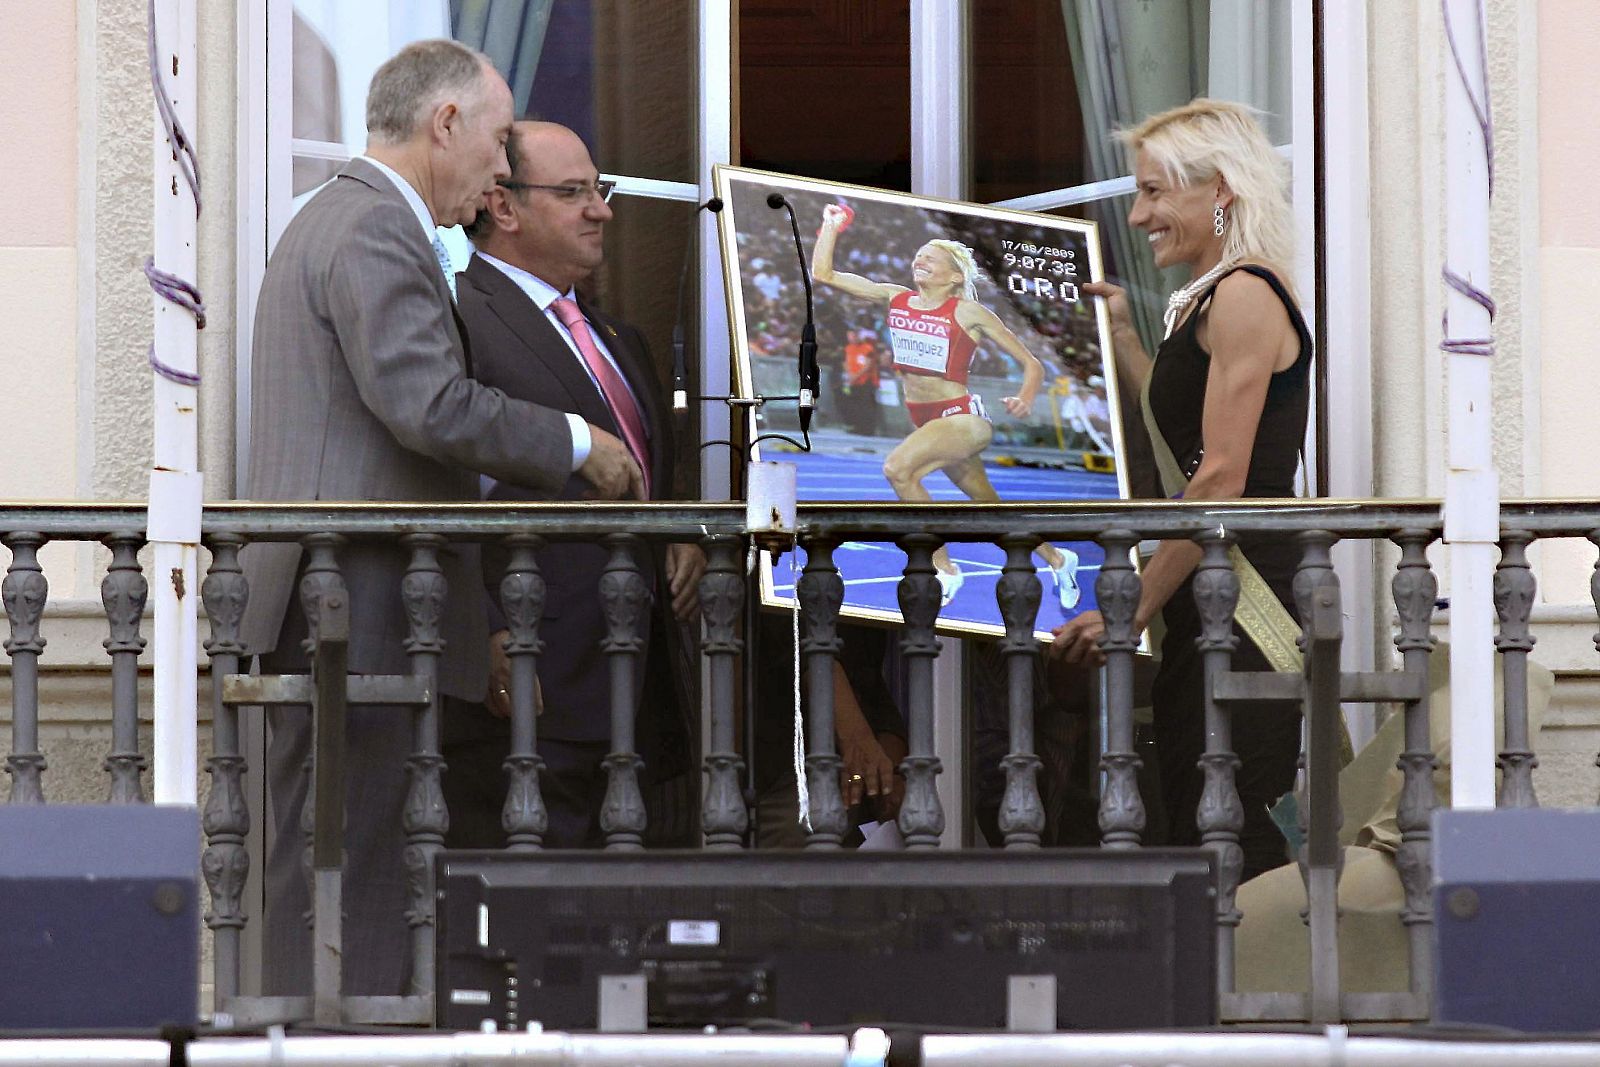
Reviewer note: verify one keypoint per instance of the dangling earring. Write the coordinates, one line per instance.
(1219, 221)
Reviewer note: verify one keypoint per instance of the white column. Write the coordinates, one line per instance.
(175, 491)
(939, 168)
(1472, 491)
(716, 146)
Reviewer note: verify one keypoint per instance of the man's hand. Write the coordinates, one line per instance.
(1078, 641)
(610, 468)
(866, 769)
(498, 699)
(686, 564)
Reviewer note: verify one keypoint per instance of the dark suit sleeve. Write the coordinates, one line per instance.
(862, 650)
(395, 334)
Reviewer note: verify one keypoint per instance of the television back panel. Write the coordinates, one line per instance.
(828, 939)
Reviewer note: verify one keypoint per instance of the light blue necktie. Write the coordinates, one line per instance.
(444, 263)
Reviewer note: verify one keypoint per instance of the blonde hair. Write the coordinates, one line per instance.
(965, 263)
(1217, 137)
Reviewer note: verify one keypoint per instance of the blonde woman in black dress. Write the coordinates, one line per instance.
(1228, 391)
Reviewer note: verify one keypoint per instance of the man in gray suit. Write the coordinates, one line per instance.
(362, 389)
(534, 336)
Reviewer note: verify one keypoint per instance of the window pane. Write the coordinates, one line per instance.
(620, 72)
(825, 90)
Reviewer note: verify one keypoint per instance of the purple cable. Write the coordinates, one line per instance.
(1471, 346)
(170, 287)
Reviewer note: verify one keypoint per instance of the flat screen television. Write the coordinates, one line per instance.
(827, 939)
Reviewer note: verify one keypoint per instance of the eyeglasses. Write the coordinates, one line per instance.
(568, 194)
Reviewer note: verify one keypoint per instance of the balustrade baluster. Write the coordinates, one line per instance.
(522, 592)
(625, 599)
(1018, 594)
(1594, 595)
(226, 819)
(821, 592)
(425, 819)
(1514, 588)
(123, 593)
(320, 582)
(25, 591)
(1314, 578)
(1220, 816)
(921, 815)
(723, 815)
(1117, 591)
(1416, 590)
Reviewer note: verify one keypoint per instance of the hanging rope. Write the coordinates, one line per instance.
(170, 287)
(1478, 97)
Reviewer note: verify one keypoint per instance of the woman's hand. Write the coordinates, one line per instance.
(1116, 298)
(835, 216)
(1078, 641)
(1017, 406)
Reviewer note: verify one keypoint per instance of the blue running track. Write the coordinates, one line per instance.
(871, 570)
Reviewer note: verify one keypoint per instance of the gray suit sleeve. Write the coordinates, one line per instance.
(395, 333)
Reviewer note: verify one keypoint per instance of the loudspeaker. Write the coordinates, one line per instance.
(99, 917)
(1516, 906)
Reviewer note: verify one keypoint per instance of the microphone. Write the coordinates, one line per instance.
(809, 373)
(680, 373)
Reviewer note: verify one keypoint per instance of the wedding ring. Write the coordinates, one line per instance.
(855, 778)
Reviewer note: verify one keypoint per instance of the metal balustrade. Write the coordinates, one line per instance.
(426, 530)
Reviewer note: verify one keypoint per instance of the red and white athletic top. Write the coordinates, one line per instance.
(931, 341)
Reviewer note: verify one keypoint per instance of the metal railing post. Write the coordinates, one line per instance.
(423, 591)
(25, 591)
(1416, 590)
(1220, 816)
(724, 817)
(1117, 591)
(1514, 590)
(821, 592)
(626, 600)
(226, 819)
(123, 593)
(921, 815)
(522, 591)
(1018, 593)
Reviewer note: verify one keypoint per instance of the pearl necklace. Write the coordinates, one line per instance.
(1181, 297)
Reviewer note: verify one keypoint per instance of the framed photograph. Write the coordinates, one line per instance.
(959, 361)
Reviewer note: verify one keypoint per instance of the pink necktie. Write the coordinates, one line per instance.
(612, 387)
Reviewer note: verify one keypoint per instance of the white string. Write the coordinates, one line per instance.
(802, 790)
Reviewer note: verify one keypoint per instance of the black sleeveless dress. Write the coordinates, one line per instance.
(1266, 737)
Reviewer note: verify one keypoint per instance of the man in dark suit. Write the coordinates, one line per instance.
(361, 390)
(536, 339)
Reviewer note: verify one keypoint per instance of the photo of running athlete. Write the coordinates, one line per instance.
(956, 356)
(935, 329)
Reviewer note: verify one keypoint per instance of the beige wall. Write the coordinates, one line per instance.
(1569, 263)
(38, 257)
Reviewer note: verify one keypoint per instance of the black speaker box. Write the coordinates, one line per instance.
(99, 917)
(1516, 904)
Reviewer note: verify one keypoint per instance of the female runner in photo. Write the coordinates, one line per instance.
(935, 329)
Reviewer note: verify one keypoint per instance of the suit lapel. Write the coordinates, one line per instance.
(524, 319)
